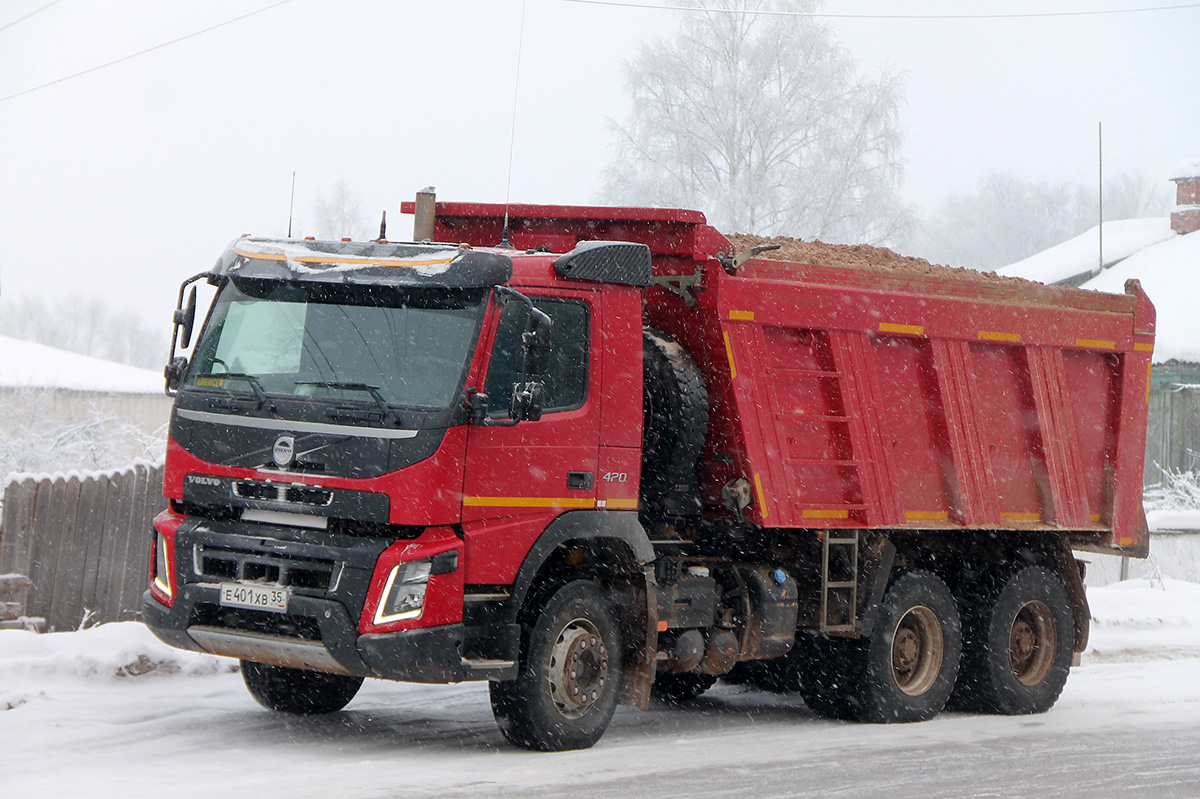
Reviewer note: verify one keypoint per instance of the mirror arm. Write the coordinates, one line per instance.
(174, 370)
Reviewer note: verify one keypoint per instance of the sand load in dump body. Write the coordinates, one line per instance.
(856, 398)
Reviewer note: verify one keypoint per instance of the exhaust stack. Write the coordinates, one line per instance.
(424, 214)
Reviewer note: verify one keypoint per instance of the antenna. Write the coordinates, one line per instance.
(383, 227)
(512, 133)
(291, 204)
(1100, 189)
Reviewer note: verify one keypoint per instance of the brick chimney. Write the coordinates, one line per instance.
(1186, 216)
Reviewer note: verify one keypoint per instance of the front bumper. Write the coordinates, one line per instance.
(316, 634)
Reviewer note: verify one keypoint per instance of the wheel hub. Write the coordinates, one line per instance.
(1031, 643)
(917, 651)
(578, 670)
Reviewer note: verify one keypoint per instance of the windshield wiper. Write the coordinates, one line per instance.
(256, 386)
(389, 416)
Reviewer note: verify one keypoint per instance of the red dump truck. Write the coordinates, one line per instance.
(593, 454)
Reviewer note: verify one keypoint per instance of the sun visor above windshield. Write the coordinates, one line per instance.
(368, 263)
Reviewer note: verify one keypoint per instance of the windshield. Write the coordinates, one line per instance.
(372, 344)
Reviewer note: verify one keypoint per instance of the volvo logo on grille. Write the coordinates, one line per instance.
(284, 451)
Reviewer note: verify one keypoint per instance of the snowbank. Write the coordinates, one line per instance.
(24, 364)
(1144, 619)
(107, 651)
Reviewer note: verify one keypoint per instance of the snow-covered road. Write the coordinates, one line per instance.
(71, 725)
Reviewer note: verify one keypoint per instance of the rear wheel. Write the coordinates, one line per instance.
(909, 663)
(679, 688)
(298, 691)
(1018, 646)
(569, 680)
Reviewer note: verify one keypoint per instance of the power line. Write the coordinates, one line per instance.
(824, 15)
(30, 14)
(122, 59)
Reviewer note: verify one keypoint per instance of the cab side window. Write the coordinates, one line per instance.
(566, 375)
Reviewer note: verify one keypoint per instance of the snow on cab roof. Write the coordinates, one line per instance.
(25, 364)
(372, 262)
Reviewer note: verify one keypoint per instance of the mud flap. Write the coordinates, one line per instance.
(641, 627)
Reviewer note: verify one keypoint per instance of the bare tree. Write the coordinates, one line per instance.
(764, 123)
(340, 214)
(1007, 218)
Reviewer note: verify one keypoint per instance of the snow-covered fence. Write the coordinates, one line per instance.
(83, 539)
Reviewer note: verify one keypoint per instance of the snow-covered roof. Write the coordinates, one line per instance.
(1186, 169)
(1081, 254)
(24, 364)
(1170, 275)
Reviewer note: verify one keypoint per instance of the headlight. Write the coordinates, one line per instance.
(162, 566)
(404, 592)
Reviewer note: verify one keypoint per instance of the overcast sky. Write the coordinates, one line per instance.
(121, 182)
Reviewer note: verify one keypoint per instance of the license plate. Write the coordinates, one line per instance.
(255, 597)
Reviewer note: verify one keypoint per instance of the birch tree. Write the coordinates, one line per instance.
(764, 123)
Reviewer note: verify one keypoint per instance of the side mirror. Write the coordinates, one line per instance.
(535, 342)
(175, 372)
(185, 319)
(527, 401)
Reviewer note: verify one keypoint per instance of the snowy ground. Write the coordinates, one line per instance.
(110, 712)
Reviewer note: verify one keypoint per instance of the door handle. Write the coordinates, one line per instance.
(580, 481)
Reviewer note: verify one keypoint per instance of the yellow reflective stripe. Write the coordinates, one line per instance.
(745, 316)
(729, 353)
(529, 502)
(926, 515)
(1142, 346)
(991, 335)
(1022, 517)
(622, 504)
(322, 258)
(826, 514)
(893, 327)
(1095, 518)
(1095, 344)
(762, 498)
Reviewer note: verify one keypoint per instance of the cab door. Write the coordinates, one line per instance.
(519, 477)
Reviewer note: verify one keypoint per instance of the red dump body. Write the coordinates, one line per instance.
(861, 398)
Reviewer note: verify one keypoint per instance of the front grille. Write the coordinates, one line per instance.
(216, 563)
(283, 492)
(257, 621)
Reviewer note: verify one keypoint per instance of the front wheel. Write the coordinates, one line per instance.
(567, 687)
(298, 691)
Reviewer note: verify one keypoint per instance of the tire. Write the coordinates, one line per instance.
(825, 671)
(905, 671)
(569, 680)
(1018, 643)
(675, 423)
(677, 689)
(298, 691)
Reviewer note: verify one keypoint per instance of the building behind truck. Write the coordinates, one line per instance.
(611, 457)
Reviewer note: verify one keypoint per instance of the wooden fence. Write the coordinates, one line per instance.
(83, 540)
